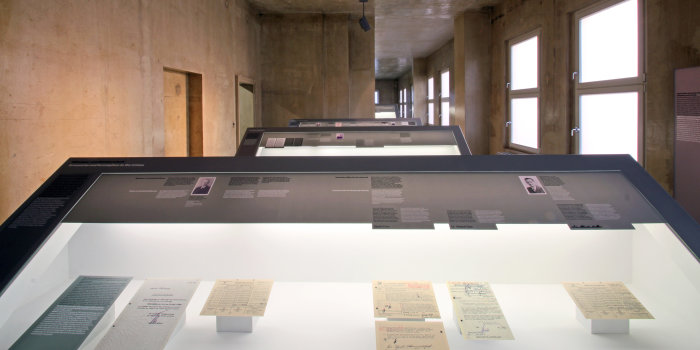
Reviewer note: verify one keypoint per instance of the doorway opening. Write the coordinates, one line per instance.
(182, 111)
(245, 102)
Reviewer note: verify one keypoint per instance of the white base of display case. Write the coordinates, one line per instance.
(541, 316)
(242, 324)
(603, 326)
(330, 307)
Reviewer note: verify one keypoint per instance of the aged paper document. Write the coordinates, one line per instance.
(404, 299)
(234, 297)
(410, 335)
(477, 311)
(606, 300)
(151, 317)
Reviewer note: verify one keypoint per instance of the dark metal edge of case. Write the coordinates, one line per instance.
(248, 147)
(18, 245)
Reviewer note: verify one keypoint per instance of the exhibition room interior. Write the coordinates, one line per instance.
(398, 173)
(124, 78)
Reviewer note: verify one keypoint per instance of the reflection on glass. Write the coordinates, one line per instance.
(523, 64)
(609, 43)
(609, 123)
(384, 115)
(523, 131)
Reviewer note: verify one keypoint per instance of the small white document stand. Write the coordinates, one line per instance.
(603, 326)
(238, 324)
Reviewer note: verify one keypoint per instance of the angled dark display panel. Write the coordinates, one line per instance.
(324, 229)
(354, 141)
(315, 123)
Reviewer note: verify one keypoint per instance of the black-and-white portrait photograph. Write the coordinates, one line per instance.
(532, 185)
(203, 186)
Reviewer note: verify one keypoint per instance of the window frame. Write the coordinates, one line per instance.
(523, 93)
(413, 112)
(403, 102)
(442, 99)
(431, 100)
(631, 84)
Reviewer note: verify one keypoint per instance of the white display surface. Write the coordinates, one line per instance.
(305, 316)
(332, 151)
(322, 293)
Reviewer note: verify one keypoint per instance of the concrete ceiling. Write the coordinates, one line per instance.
(313, 6)
(403, 29)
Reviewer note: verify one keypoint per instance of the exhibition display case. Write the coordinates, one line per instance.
(354, 141)
(314, 123)
(324, 228)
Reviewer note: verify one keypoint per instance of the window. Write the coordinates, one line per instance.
(409, 101)
(431, 101)
(523, 93)
(413, 113)
(404, 102)
(609, 80)
(445, 98)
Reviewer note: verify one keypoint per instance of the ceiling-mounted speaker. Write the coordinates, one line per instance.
(364, 23)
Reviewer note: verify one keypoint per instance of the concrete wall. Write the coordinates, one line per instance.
(672, 39)
(388, 93)
(84, 78)
(316, 66)
(361, 70)
(175, 113)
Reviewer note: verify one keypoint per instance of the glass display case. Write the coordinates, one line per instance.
(333, 123)
(324, 228)
(354, 141)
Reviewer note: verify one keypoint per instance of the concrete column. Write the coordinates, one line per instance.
(420, 90)
(472, 50)
(361, 70)
(336, 69)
